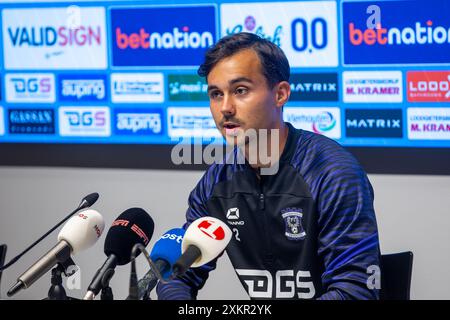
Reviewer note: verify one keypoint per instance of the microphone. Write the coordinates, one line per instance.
(165, 253)
(203, 241)
(86, 202)
(131, 227)
(78, 234)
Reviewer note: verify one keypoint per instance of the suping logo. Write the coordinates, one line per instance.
(373, 86)
(306, 31)
(408, 32)
(326, 121)
(187, 87)
(30, 87)
(55, 38)
(428, 86)
(86, 87)
(314, 87)
(428, 123)
(2, 122)
(84, 121)
(31, 121)
(160, 36)
(213, 231)
(374, 123)
(138, 121)
(137, 87)
(191, 122)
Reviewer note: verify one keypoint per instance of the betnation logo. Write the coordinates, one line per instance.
(396, 32)
(418, 33)
(177, 38)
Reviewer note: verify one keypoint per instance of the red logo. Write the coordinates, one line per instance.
(82, 216)
(428, 86)
(212, 231)
(119, 222)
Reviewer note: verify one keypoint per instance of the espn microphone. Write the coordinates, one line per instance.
(79, 233)
(165, 253)
(203, 241)
(131, 227)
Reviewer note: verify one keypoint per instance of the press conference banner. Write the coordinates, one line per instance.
(365, 73)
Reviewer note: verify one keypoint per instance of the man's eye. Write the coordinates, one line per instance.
(241, 90)
(214, 94)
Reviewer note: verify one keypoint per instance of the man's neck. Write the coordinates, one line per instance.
(273, 150)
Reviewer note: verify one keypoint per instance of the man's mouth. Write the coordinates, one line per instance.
(231, 129)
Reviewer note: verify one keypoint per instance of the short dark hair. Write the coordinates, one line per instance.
(275, 65)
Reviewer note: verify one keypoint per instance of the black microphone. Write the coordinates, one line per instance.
(86, 202)
(131, 227)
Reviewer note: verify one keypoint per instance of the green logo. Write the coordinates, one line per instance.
(187, 87)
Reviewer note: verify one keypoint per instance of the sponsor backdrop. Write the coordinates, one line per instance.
(365, 73)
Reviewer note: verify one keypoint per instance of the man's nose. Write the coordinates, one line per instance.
(228, 107)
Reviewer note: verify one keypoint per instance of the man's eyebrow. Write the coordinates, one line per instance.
(231, 82)
(240, 79)
(212, 87)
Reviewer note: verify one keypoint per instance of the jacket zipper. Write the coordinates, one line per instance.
(262, 206)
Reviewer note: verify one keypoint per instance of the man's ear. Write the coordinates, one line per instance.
(283, 91)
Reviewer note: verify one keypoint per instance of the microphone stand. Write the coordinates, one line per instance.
(57, 291)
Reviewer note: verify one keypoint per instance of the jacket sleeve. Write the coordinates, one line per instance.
(348, 238)
(186, 287)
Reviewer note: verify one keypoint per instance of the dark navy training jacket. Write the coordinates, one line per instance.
(306, 232)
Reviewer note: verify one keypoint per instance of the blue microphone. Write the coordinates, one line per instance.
(166, 251)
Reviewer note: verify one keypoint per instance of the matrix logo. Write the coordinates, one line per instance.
(54, 38)
(314, 87)
(2, 122)
(428, 123)
(428, 86)
(30, 87)
(407, 32)
(84, 121)
(326, 121)
(31, 121)
(306, 31)
(137, 87)
(191, 122)
(373, 86)
(138, 122)
(172, 36)
(379, 123)
(187, 87)
(82, 87)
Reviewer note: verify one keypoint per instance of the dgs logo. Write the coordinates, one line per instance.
(85, 121)
(287, 283)
(309, 36)
(87, 118)
(31, 85)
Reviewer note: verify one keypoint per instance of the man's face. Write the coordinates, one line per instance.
(240, 97)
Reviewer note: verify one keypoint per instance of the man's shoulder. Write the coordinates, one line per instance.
(318, 153)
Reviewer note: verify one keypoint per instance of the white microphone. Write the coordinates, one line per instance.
(203, 241)
(79, 233)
